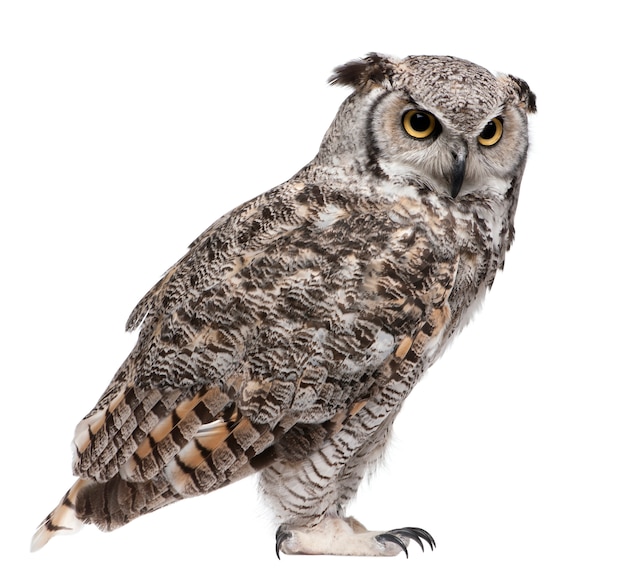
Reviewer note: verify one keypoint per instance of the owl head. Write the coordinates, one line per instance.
(444, 122)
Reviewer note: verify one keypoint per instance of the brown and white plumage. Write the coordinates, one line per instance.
(286, 339)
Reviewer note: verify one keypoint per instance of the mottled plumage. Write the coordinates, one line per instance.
(285, 341)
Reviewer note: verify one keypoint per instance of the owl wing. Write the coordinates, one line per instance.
(278, 324)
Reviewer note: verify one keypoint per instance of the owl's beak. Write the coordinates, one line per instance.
(457, 175)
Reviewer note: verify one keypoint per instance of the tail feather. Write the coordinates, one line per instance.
(167, 438)
(205, 443)
(62, 520)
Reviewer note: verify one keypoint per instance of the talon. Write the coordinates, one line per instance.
(416, 534)
(281, 536)
(391, 537)
(409, 534)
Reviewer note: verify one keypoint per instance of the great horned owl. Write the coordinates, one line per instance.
(287, 338)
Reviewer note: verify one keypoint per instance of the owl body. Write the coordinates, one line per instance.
(286, 340)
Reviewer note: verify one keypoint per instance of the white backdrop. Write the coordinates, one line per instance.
(127, 127)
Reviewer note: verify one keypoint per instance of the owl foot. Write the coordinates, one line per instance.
(348, 537)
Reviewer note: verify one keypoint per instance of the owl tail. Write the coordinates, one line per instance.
(108, 505)
(62, 520)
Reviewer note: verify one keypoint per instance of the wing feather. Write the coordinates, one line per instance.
(277, 326)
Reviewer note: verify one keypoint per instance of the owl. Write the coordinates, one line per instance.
(286, 340)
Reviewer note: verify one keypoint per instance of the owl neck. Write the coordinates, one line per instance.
(344, 151)
(345, 159)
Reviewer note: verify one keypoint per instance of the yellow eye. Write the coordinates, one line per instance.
(419, 124)
(491, 133)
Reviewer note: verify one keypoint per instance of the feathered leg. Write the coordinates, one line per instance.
(310, 498)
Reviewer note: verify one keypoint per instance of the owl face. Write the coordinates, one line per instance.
(415, 139)
(447, 123)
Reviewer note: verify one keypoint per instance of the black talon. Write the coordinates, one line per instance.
(416, 534)
(281, 536)
(409, 534)
(391, 537)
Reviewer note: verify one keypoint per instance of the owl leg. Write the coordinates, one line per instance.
(338, 535)
(348, 537)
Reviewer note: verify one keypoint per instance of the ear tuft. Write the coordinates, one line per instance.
(374, 68)
(523, 93)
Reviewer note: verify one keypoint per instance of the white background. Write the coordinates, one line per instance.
(126, 128)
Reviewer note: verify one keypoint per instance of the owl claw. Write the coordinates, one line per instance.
(281, 536)
(347, 537)
(416, 534)
(390, 537)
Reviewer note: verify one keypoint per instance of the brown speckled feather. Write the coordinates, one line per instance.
(289, 329)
